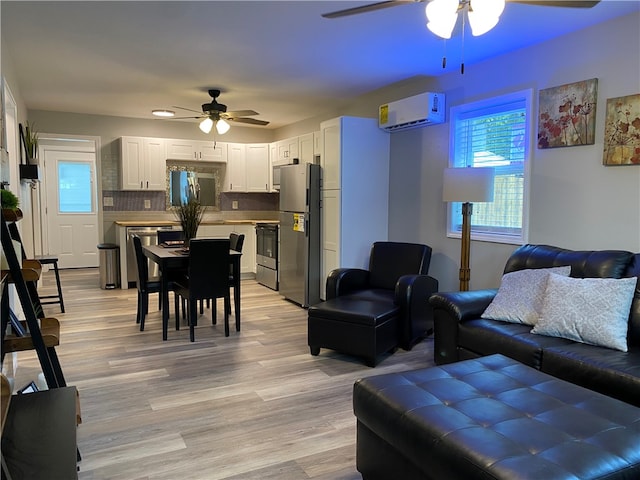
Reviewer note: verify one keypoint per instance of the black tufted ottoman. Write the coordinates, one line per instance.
(491, 418)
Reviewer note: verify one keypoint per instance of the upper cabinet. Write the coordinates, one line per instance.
(143, 163)
(247, 168)
(257, 163)
(236, 176)
(197, 150)
(286, 151)
(305, 148)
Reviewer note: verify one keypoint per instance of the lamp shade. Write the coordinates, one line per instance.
(468, 185)
(222, 127)
(206, 125)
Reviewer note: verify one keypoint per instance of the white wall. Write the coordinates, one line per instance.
(576, 202)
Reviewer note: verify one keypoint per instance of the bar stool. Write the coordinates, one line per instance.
(52, 260)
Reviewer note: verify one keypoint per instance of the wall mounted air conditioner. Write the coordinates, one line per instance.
(412, 112)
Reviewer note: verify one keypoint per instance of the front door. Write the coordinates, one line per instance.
(71, 215)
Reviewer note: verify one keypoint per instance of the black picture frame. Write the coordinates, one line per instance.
(30, 387)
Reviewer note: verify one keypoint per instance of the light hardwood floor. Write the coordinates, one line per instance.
(255, 405)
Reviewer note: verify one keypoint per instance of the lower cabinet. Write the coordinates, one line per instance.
(248, 260)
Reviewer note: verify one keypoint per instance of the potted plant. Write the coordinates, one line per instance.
(190, 215)
(10, 205)
(31, 141)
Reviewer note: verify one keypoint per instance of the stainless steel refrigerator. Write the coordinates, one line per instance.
(299, 259)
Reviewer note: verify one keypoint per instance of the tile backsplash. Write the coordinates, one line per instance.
(124, 201)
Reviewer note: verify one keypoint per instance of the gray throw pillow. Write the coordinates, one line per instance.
(588, 310)
(519, 298)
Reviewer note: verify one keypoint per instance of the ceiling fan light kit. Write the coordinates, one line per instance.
(222, 127)
(163, 113)
(442, 16)
(483, 15)
(206, 125)
(216, 114)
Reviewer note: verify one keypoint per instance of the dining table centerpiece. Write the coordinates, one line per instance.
(190, 214)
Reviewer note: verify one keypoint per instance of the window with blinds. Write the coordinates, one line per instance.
(494, 133)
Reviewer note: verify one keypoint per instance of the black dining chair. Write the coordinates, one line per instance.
(145, 284)
(207, 278)
(236, 242)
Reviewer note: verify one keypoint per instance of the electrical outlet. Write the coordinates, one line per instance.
(107, 201)
(147, 204)
(234, 204)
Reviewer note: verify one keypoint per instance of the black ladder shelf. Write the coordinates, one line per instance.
(39, 429)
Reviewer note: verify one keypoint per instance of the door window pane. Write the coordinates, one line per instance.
(74, 187)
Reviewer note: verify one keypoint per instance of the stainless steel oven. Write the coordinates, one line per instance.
(267, 254)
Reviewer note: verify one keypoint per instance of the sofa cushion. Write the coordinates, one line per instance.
(607, 371)
(587, 310)
(486, 337)
(519, 298)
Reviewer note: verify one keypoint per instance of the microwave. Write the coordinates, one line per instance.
(275, 176)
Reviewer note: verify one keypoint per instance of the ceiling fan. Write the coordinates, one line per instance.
(442, 14)
(214, 113)
(394, 3)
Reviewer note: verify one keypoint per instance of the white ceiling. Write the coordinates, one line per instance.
(281, 59)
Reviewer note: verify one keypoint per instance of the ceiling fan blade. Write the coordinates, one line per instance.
(181, 118)
(188, 109)
(559, 3)
(367, 8)
(241, 113)
(250, 121)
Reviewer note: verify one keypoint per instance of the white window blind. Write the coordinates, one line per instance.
(494, 133)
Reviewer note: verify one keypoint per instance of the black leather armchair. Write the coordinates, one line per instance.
(398, 274)
(368, 312)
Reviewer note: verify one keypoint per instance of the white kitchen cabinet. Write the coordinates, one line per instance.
(286, 151)
(257, 167)
(317, 143)
(305, 148)
(355, 192)
(247, 168)
(196, 150)
(143, 163)
(236, 174)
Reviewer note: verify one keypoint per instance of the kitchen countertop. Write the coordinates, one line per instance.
(169, 223)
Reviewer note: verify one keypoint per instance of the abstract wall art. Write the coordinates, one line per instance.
(622, 131)
(567, 114)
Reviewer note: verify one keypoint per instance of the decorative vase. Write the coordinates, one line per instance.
(190, 215)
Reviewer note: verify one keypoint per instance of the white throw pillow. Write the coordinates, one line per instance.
(588, 310)
(519, 298)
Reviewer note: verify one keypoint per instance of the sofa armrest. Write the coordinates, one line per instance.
(448, 310)
(346, 280)
(412, 296)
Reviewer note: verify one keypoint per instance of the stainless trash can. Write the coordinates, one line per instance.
(109, 265)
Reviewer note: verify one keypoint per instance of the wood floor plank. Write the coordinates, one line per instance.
(254, 405)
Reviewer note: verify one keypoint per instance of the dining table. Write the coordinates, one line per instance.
(177, 258)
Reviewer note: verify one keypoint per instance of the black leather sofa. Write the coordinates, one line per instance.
(460, 332)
